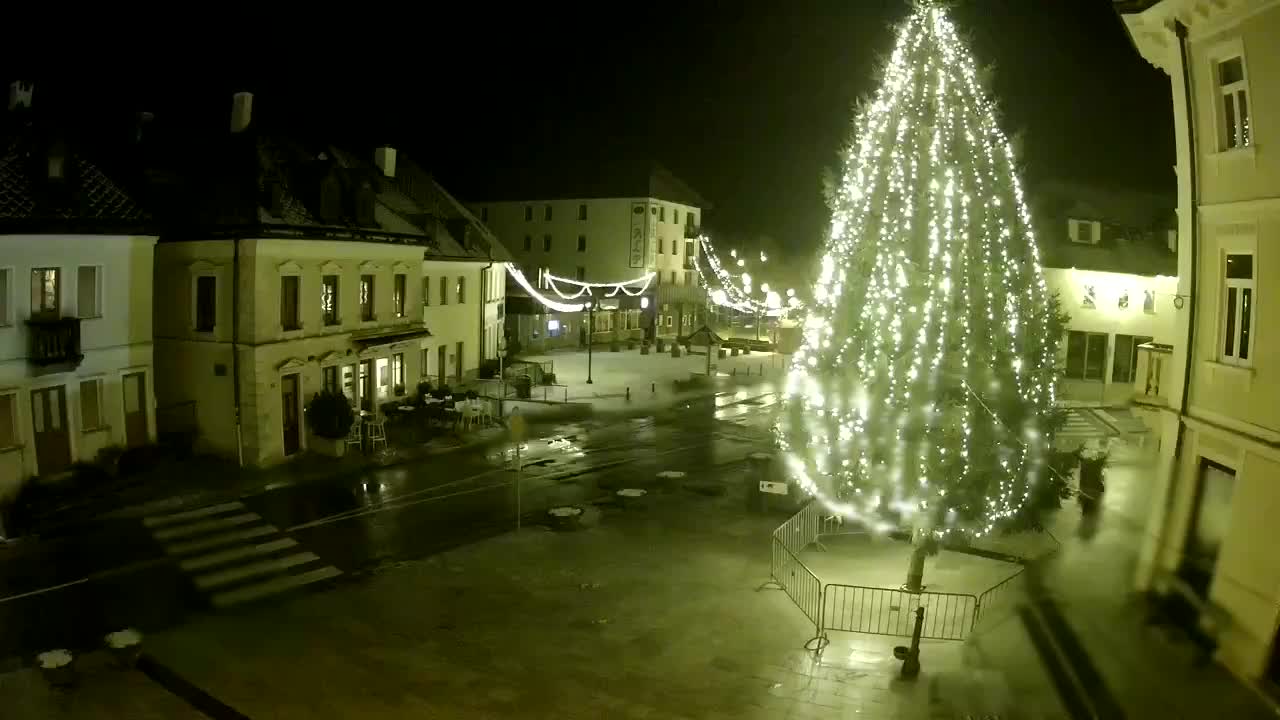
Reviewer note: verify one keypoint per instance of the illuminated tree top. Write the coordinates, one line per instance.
(922, 392)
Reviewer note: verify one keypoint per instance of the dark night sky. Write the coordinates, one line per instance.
(746, 101)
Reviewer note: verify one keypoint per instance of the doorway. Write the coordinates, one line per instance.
(457, 365)
(441, 359)
(135, 409)
(366, 385)
(289, 413)
(49, 425)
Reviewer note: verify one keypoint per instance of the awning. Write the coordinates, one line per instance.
(388, 335)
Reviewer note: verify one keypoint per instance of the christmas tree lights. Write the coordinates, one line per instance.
(734, 291)
(922, 395)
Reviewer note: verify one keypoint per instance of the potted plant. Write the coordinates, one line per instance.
(330, 417)
(125, 646)
(56, 667)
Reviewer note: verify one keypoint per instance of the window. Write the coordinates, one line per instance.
(484, 214)
(329, 379)
(206, 303)
(6, 303)
(444, 290)
(457, 364)
(546, 243)
(582, 211)
(1083, 232)
(398, 293)
(423, 370)
(528, 213)
(688, 277)
(688, 251)
(582, 274)
(673, 277)
(675, 248)
(1149, 302)
(1237, 131)
(528, 242)
(546, 213)
(1237, 309)
(462, 289)
(8, 420)
(1125, 362)
(582, 243)
(329, 299)
(1086, 355)
(91, 405)
(289, 302)
(691, 220)
(675, 216)
(397, 373)
(46, 291)
(366, 298)
(89, 291)
(1090, 298)
(660, 244)
(662, 213)
(426, 290)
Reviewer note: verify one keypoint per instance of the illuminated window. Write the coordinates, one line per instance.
(1236, 130)
(329, 299)
(1237, 309)
(366, 298)
(46, 292)
(398, 293)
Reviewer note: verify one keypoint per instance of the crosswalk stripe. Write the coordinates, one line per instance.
(221, 557)
(244, 572)
(196, 528)
(208, 543)
(275, 585)
(157, 520)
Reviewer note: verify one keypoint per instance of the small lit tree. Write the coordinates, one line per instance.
(923, 394)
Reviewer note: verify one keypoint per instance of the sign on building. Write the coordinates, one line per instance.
(638, 235)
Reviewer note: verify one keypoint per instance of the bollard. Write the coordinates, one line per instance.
(653, 388)
(734, 373)
(628, 394)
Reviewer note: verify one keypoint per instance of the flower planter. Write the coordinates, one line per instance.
(675, 350)
(644, 349)
(671, 480)
(630, 497)
(328, 446)
(125, 646)
(57, 667)
(659, 345)
(565, 517)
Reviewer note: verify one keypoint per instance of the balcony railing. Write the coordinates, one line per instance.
(54, 340)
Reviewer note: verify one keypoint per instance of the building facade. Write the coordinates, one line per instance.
(345, 274)
(1209, 535)
(75, 309)
(604, 232)
(1110, 255)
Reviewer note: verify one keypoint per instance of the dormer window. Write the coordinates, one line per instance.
(1085, 232)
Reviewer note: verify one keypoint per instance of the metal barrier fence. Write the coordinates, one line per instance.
(996, 597)
(883, 611)
(801, 529)
(799, 583)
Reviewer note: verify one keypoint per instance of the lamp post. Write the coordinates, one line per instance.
(591, 328)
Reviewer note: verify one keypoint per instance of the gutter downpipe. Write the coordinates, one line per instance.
(1180, 30)
(235, 344)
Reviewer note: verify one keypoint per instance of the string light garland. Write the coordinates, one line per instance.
(726, 291)
(922, 394)
(523, 282)
(624, 287)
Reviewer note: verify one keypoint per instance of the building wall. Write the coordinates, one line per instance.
(454, 322)
(607, 230)
(1107, 317)
(114, 343)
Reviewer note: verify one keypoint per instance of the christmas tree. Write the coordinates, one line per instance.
(922, 397)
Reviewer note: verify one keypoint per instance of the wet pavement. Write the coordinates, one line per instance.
(155, 571)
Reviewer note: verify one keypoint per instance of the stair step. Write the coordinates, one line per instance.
(221, 557)
(157, 520)
(273, 586)
(213, 541)
(203, 526)
(252, 570)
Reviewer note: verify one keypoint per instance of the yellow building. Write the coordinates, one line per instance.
(1209, 539)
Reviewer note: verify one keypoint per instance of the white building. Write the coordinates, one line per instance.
(317, 282)
(1110, 254)
(1209, 540)
(640, 219)
(75, 305)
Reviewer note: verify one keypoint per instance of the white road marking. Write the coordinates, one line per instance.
(196, 528)
(208, 543)
(273, 586)
(244, 572)
(157, 520)
(222, 557)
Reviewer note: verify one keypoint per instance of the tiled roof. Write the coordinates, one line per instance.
(85, 197)
(615, 174)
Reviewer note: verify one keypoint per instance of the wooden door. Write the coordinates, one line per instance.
(289, 413)
(135, 409)
(49, 426)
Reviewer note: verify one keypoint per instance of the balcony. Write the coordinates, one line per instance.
(691, 232)
(54, 341)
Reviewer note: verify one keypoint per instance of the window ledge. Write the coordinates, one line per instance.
(1246, 371)
(91, 317)
(1249, 151)
(10, 448)
(97, 429)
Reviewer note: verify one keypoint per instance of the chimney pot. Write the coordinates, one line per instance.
(241, 111)
(385, 158)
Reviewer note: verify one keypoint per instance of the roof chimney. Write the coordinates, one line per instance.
(385, 158)
(20, 94)
(241, 111)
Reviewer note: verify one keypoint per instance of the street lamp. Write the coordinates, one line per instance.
(591, 328)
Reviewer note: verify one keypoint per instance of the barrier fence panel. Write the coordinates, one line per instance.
(798, 582)
(884, 611)
(998, 598)
(801, 529)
